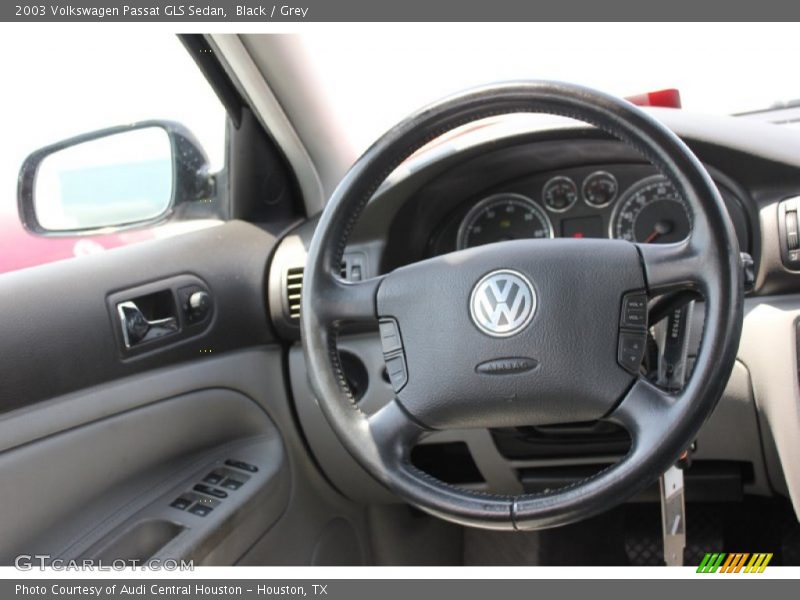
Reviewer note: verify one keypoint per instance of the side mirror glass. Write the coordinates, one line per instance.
(114, 178)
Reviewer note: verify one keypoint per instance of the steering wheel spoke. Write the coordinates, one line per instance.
(672, 267)
(394, 431)
(644, 411)
(351, 301)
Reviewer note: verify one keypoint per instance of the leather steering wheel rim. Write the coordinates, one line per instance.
(661, 424)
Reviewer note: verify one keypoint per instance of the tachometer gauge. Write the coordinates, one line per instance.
(651, 211)
(600, 189)
(503, 217)
(559, 193)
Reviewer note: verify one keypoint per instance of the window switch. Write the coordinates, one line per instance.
(201, 510)
(211, 491)
(181, 503)
(232, 484)
(214, 478)
(238, 464)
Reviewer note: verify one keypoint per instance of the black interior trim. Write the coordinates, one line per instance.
(262, 185)
(59, 336)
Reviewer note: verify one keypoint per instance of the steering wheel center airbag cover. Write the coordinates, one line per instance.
(571, 332)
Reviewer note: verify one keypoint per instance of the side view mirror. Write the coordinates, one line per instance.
(115, 178)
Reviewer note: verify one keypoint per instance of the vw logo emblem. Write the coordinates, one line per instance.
(502, 303)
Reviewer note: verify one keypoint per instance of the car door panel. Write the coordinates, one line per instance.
(95, 445)
(59, 334)
(74, 487)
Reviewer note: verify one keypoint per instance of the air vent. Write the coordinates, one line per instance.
(351, 269)
(294, 291)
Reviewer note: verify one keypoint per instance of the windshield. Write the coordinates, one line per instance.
(374, 76)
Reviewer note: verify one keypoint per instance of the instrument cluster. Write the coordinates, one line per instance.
(631, 202)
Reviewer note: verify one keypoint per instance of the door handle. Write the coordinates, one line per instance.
(136, 328)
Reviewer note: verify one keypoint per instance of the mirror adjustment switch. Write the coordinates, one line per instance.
(195, 302)
(211, 491)
(240, 464)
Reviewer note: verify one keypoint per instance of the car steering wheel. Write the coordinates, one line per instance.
(524, 332)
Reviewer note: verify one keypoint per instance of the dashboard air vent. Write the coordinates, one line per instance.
(294, 290)
(351, 269)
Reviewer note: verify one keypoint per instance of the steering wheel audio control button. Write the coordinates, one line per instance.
(393, 354)
(634, 311)
(633, 331)
(631, 350)
(396, 369)
(390, 336)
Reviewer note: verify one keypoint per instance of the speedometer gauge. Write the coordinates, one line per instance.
(651, 211)
(503, 217)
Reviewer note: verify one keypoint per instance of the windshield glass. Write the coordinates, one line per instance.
(374, 76)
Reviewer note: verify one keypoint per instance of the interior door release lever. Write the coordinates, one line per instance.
(137, 329)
